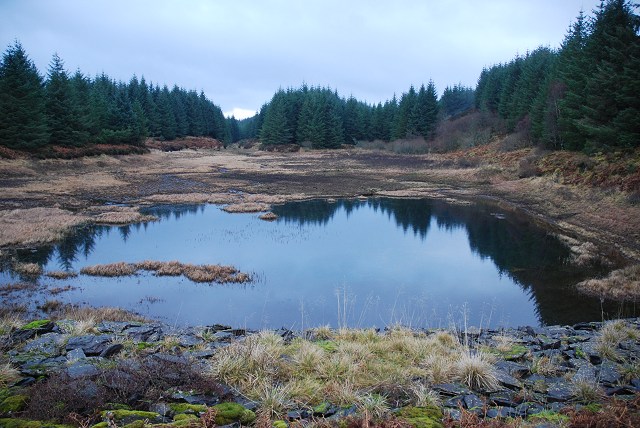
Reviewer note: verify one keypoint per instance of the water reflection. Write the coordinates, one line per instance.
(393, 259)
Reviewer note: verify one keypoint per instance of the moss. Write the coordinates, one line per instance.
(4, 393)
(12, 404)
(184, 417)
(119, 414)
(592, 407)
(549, 416)
(422, 417)
(136, 424)
(580, 353)
(322, 407)
(227, 413)
(514, 352)
(34, 325)
(116, 406)
(24, 423)
(187, 408)
(327, 345)
(141, 346)
(279, 424)
(101, 425)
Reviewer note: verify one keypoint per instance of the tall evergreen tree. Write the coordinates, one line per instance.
(22, 108)
(62, 114)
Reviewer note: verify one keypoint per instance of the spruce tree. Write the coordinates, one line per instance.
(62, 114)
(22, 110)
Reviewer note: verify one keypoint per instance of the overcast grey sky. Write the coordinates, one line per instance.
(239, 52)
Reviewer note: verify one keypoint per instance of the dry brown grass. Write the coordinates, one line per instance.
(61, 274)
(621, 284)
(110, 270)
(246, 207)
(268, 216)
(346, 369)
(14, 287)
(196, 273)
(36, 225)
(123, 217)
(91, 315)
(28, 269)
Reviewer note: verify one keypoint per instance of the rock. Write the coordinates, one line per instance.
(472, 402)
(325, 409)
(298, 414)
(512, 368)
(526, 409)
(454, 402)
(111, 350)
(90, 344)
(189, 340)
(39, 367)
(560, 391)
(81, 369)
(508, 381)
(170, 358)
(451, 389)
(228, 413)
(503, 399)
(49, 344)
(586, 373)
(145, 333)
(548, 343)
(163, 409)
(76, 354)
(608, 373)
(208, 400)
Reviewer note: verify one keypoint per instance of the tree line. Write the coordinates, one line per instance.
(322, 118)
(75, 110)
(583, 96)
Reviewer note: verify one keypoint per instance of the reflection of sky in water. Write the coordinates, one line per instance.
(357, 259)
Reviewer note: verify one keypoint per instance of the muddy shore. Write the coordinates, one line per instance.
(43, 198)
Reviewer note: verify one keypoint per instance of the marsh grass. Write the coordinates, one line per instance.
(61, 274)
(28, 269)
(611, 335)
(346, 367)
(620, 284)
(123, 216)
(246, 207)
(196, 273)
(36, 225)
(476, 371)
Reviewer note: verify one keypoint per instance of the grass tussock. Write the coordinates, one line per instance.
(36, 225)
(611, 335)
(268, 216)
(246, 207)
(91, 316)
(123, 217)
(620, 284)
(61, 274)
(27, 269)
(8, 375)
(109, 270)
(346, 367)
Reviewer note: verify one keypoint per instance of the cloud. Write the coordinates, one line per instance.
(240, 52)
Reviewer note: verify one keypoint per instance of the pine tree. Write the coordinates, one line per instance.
(426, 110)
(22, 110)
(62, 114)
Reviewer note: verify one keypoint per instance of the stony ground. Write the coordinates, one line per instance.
(143, 374)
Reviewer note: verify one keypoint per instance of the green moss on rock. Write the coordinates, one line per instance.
(228, 413)
(101, 425)
(34, 325)
(184, 417)
(327, 345)
(187, 408)
(279, 424)
(422, 417)
(24, 423)
(548, 416)
(12, 404)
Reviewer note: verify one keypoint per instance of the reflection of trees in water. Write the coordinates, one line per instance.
(530, 255)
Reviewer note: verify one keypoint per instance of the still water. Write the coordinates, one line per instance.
(358, 263)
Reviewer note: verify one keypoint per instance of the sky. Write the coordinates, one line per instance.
(240, 52)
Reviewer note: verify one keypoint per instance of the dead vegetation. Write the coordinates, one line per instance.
(28, 269)
(269, 216)
(196, 273)
(621, 284)
(36, 225)
(246, 207)
(61, 274)
(122, 216)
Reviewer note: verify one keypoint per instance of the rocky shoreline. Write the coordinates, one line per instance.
(107, 370)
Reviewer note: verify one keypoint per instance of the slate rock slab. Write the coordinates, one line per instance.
(90, 344)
